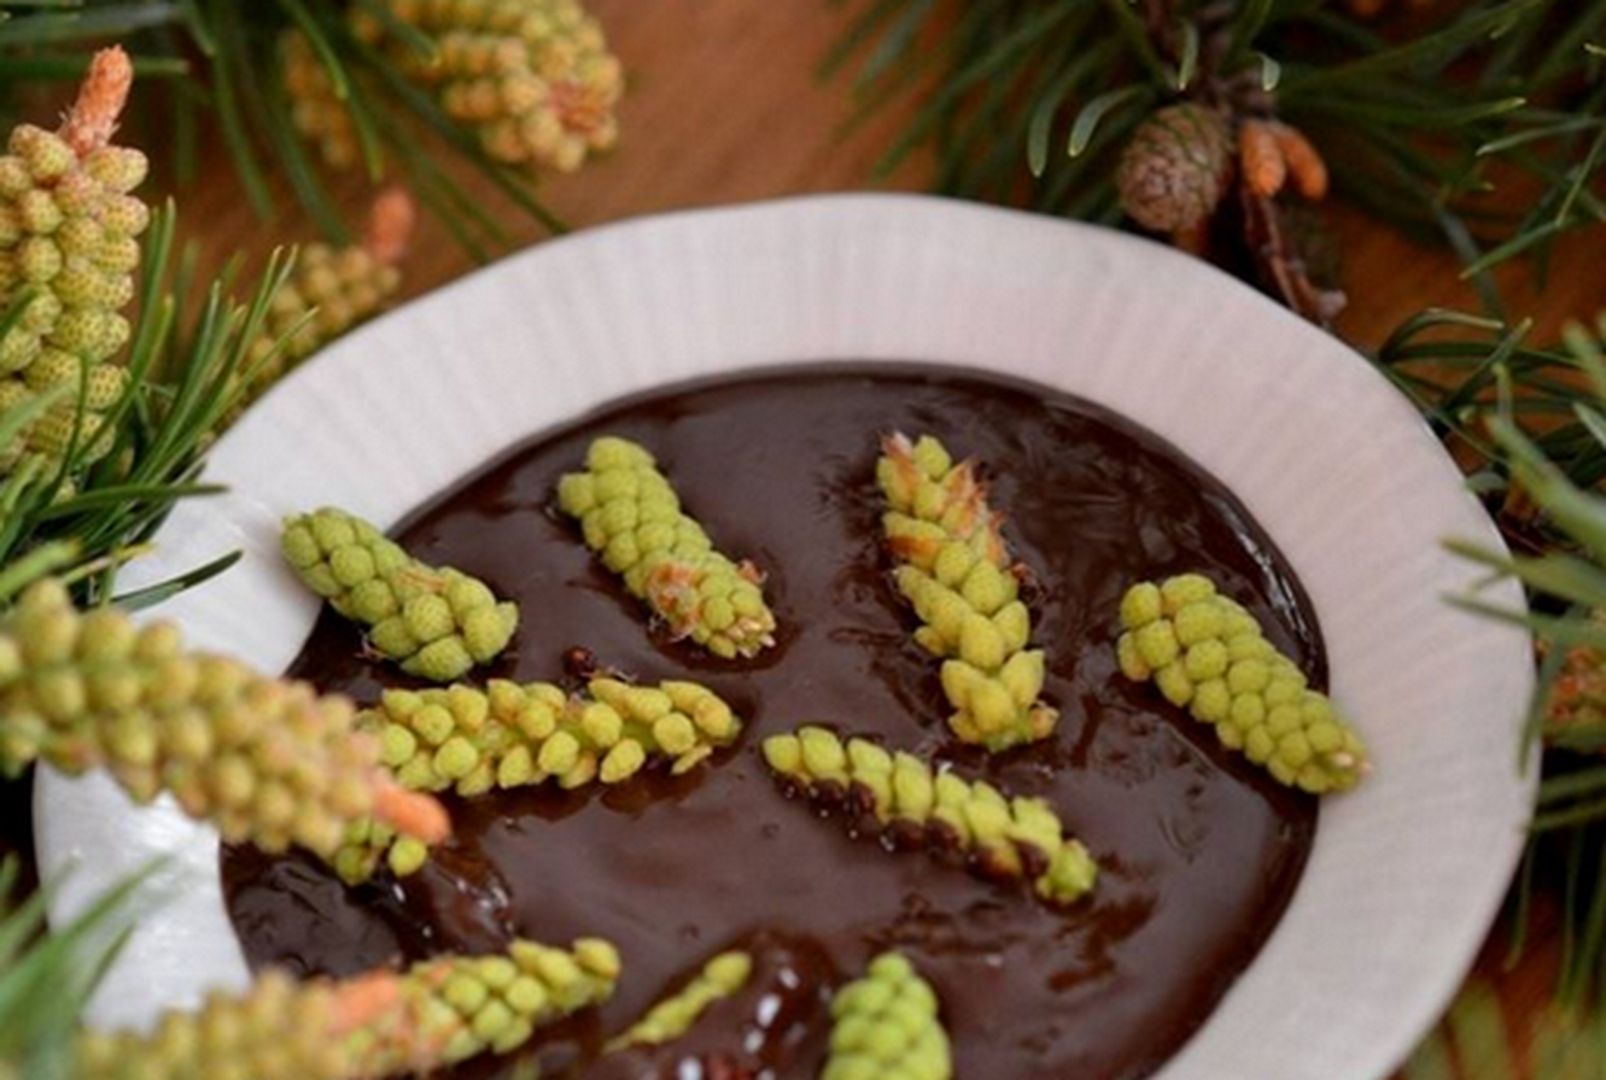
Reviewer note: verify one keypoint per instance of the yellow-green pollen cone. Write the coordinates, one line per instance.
(1207, 654)
(437, 623)
(631, 517)
(674, 1015)
(316, 109)
(885, 1027)
(955, 571)
(470, 741)
(913, 801)
(533, 79)
(278, 1029)
(435, 1014)
(69, 229)
(267, 761)
(329, 291)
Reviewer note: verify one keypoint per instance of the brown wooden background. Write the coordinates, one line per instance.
(725, 107)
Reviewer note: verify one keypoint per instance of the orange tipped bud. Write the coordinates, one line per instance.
(1305, 165)
(93, 117)
(362, 999)
(390, 225)
(412, 813)
(1260, 156)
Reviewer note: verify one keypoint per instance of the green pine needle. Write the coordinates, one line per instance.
(47, 975)
(180, 386)
(1405, 121)
(221, 65)
(1560, 470)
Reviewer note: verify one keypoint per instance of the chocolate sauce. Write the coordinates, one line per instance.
(1198, 850)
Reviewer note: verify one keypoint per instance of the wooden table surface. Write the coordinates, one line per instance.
(725, 107)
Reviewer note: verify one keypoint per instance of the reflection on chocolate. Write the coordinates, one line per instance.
(1199, 851)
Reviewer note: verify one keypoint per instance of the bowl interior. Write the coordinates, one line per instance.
(1406, 872)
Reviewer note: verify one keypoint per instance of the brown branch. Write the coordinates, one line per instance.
(1282, 266)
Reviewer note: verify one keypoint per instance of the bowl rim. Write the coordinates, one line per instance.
(88, 823)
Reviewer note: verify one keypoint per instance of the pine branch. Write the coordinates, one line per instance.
(1036, 105)
(230, 57)
(1538, 417)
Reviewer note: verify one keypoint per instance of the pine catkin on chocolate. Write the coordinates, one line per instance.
(437, 623)
(632, 518)
(955, 571)
(1003, 836)
(1207, 654)
(267, 761)
(511, 735)
(885, 1027)
(470, 741)
(437, 1013)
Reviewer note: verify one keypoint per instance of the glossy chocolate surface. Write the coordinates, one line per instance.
(1199, 851)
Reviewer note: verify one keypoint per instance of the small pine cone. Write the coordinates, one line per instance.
(436, 623)
(436, 1014)
(955, 572)
(471, 741)
(1206, 653)
(673, 1016)
(266, 761)
(912, 800)
(330, 291)
(1175, 170)
(316, 110)
(533, 78)
(68, 232)
(886, 1027)
(632, 519)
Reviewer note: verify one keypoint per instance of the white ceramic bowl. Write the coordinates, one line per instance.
(1407, 871)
